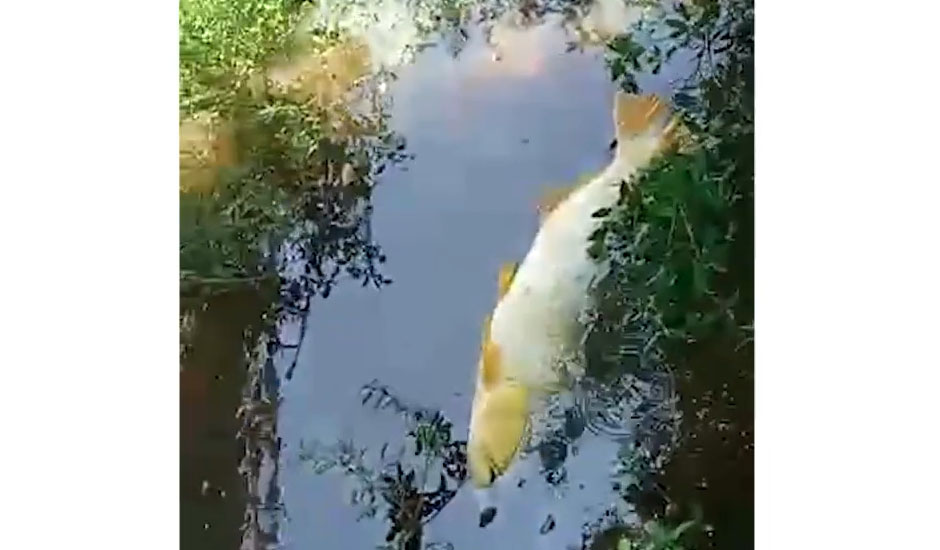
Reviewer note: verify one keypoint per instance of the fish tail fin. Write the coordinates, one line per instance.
(645, 126)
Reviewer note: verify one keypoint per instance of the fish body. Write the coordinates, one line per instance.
(532, 340)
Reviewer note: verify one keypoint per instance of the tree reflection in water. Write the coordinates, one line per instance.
(409, 485)
(282, 227)
(314, 144)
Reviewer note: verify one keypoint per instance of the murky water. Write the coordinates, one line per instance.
(490, 129)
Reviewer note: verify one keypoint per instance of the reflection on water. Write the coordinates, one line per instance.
(602, 20)
(227, 423)
(494, 106)
(487, 136)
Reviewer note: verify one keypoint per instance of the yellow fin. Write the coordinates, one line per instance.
(499, 427)
(486, 329)
(551, 198)
(506, 273)
(637, 114)
(644, 115)
(491, 368)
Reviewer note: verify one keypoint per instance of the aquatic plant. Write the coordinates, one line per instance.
(657, 536)
(410, 485)
(653, 535)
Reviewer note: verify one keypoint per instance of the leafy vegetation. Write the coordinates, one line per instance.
(276, 182)
(680, 249)
(275, 168)
(276, 175)
(223, 44)
(657, 536)
(410, 485)
(678, 295)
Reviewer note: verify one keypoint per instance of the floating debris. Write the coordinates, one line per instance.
(547, 525)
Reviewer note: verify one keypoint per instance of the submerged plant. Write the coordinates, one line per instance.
(409, 486)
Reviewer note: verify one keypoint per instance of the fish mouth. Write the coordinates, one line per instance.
(487, 516)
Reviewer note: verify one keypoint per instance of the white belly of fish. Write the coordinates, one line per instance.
(538, 323)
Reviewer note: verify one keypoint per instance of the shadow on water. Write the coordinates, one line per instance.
(274, 382)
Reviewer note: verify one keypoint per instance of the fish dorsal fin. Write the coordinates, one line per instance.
(637, 116)
(554, 196)
(506, 273)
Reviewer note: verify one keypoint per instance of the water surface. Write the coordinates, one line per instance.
(488, 137)
(490, 129)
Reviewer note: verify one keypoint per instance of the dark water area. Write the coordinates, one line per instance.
(488, 138)
(228, 445)
(212, 377)
(713, 467)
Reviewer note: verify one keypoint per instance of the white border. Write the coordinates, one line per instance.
(847, 286)
(846, 283)
(90, 262)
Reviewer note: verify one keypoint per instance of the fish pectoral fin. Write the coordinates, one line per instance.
(506, 274)
(554, 196)
(499, 429)
(551, 199)
(491, 364)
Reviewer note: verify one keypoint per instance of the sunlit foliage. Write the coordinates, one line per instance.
(276, 168)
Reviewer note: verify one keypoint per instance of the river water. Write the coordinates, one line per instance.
(489, 131)
(486, 142)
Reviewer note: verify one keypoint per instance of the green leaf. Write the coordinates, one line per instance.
(597, 251)
(677, 24)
